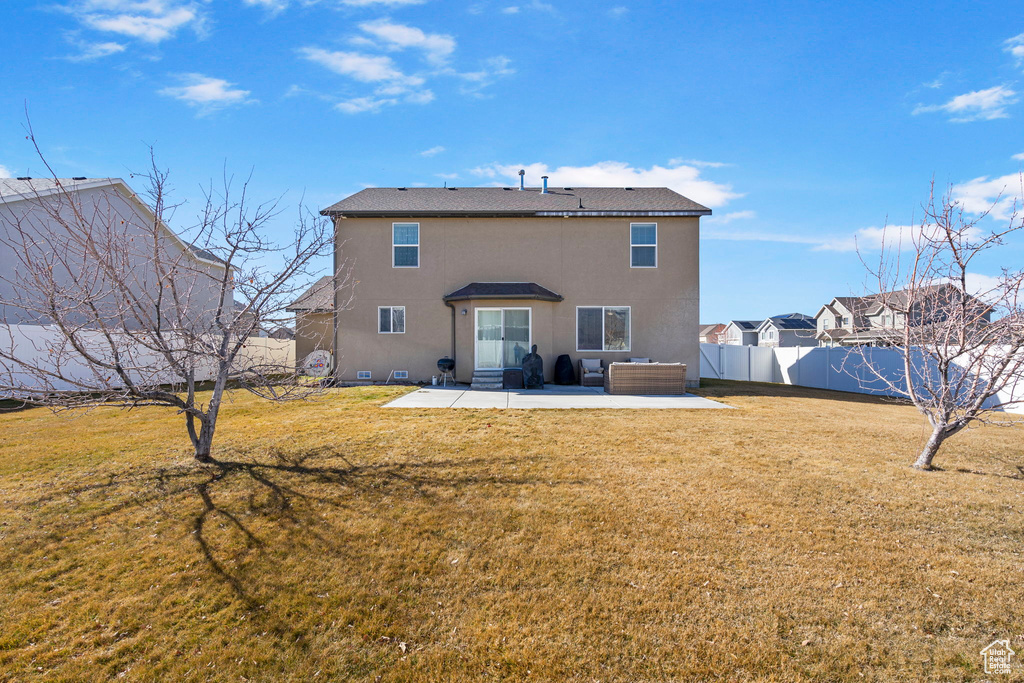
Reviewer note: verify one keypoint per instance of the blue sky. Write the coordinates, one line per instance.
(802, 124)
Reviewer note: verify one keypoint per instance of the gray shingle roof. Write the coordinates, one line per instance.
(318, 298)
(747, 325)
(428, 201)
(503, 290)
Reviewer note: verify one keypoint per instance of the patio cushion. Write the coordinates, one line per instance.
(639, 360)
(591, 364)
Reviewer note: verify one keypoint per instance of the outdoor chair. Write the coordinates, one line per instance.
(591, 372)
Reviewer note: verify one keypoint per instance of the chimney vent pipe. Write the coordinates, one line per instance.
(545, 179)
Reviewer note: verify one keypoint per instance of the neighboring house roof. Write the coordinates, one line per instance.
(317, 299)
(283, 333)
(503, 290)
(24, 188)
(790, 322)
(747, 325)
(501, 201)
(705, 330)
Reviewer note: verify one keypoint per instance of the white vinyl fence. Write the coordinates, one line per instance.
(44, 345)
(834, 368)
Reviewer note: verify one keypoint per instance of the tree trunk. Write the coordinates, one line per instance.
(204, 443)
(924, 460)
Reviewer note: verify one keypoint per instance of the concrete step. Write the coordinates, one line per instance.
(489, 386)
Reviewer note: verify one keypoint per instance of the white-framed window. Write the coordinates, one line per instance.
(603, 328)
(846, 321)
(363, 374)
(643, 245)
(391, 319)
(405, 245)
(401, 374)
(826, 324)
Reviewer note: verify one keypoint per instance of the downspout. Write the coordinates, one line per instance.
(450, 305)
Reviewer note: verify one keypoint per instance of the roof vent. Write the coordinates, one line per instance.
(401, 189)
(630, 189)
(507, 189)
(522, 179)
(581, 202)
(24, 177)
(452, 189)
(79, 177)
(544, 190)
(567, 188)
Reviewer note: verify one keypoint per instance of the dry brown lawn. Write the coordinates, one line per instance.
(786, 540)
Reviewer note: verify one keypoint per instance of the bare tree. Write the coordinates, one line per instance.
(962, 349)
(105, 305)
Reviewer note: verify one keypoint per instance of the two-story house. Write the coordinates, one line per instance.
(741, 332)
(40, 215)
(876, 319)
(790, 329)
(481, 274)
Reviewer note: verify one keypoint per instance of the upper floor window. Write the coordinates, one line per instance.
(602, 328)
(643, 245)
(846, 321)
(826, 324)
(391, 319)
(405, 245)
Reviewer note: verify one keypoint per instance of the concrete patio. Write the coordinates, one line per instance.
(552, 396)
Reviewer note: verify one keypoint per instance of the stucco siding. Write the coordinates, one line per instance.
(586, 260)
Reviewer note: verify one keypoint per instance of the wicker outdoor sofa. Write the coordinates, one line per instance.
(645, 378)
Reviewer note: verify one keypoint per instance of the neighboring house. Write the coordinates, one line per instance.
(869, 321)
(106, 202)
(741, 332)
(712, 334)
(314, 318)
(245, 320)
(481, 274)
(283, 334)
(791, 329)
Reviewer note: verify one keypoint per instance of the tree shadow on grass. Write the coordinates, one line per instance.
(253, 503)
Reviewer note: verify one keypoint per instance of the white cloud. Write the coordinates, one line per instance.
(4, 173)
(999, 196)
(373, 3)
(698, 163)
(447, 176)
(683, 179)
(730, 217)
(393, 85)
(617, 12)
(206, 93)
(1018, 157)
(436, 47)
(1015, 46)
(362, 67)
(90, 51)
(151, 21)
(433, 151)
(270, 5)
(510, 10)
(358, 105)
(979, 105)
(490, 70)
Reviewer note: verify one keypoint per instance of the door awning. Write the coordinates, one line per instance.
(503, 290)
